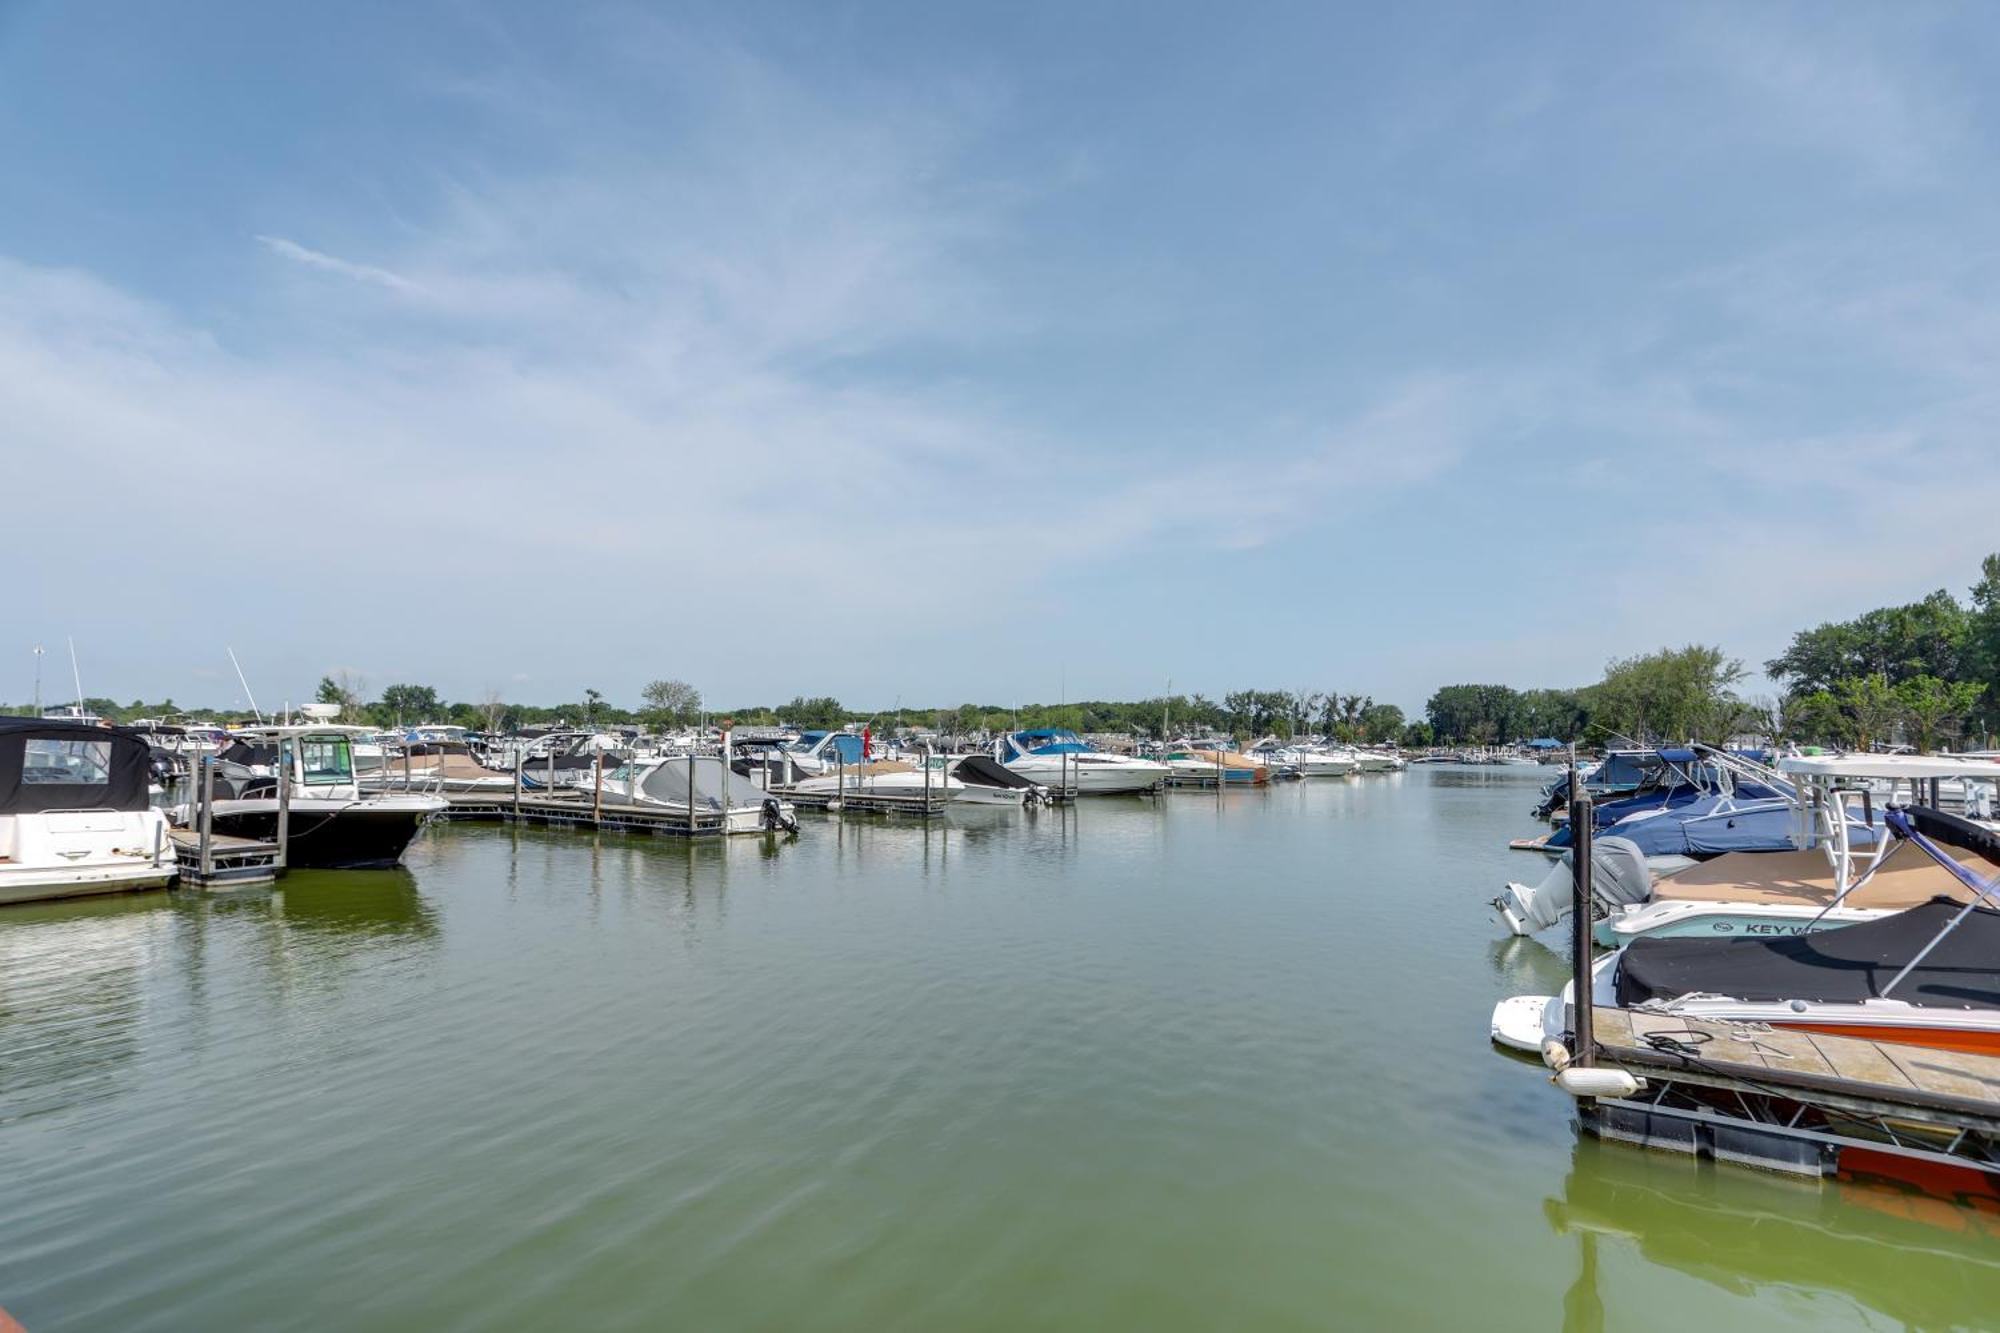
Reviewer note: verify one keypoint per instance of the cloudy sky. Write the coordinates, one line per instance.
(952, 352)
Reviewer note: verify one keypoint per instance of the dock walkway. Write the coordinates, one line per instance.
(1790, 1100)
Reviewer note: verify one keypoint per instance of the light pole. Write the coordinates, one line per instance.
(38, 680)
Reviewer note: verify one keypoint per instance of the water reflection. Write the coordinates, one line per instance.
(1924, 1263)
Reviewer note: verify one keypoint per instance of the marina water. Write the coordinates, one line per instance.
(1188, 1062)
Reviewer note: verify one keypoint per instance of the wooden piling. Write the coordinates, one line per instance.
(287, 753)
(691, 821)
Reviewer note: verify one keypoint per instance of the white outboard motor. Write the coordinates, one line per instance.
(1618, 878)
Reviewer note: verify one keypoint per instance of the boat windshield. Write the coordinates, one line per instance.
(326, 761)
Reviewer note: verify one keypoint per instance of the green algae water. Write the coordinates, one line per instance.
(1188, 1062)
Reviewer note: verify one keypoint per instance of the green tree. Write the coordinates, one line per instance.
(1871, 705)
(823, 712)
(1927, 638)
(1381, 724)
(671, 702)
(1673, 694)
(409, 703)
(1934, 708)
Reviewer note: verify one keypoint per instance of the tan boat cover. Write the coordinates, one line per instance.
(1905, 878)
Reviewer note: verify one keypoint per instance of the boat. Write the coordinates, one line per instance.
(1820, 860)
(1208, 767)
(1055, 757)
(1925, 976)
(708, 783)
(985, 781)
(333, 824)
(74, 812)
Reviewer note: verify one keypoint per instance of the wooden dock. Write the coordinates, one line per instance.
(1800, 1102)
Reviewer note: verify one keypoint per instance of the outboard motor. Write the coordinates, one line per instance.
(1619, 877)
(775, 818)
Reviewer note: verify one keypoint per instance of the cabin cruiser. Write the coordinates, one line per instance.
(74, 814)
(332, 824)
(1306, 760)
(1925, 976)
(1208, 767)
(1055, 757)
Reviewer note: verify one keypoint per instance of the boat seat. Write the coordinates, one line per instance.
(1905, 879)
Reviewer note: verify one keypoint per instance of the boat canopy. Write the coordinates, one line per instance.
(57, 765)
(1844, 966)
(1050, 740)
(1545, 743)
(1890, 766)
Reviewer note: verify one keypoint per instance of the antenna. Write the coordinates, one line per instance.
(244, 683)
(75, 674)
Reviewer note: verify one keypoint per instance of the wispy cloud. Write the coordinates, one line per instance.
(368, 273)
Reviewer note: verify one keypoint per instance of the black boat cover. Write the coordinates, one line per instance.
(50, 765)
(1960, 833)
(1841, 966)
(980, 771)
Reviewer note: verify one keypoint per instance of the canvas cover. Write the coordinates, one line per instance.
(1843, 966)
(980, 771)
(668, 781)
(118, 760)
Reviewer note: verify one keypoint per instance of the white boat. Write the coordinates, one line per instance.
(1056, 758)
(1845, 871)
(74, 814)
(708, 784)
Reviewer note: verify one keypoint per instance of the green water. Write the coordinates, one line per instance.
(1198, 1062)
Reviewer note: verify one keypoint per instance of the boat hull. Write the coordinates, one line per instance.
(361, 835)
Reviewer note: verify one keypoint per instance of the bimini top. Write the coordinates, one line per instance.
(1890, 766)
(48, 764)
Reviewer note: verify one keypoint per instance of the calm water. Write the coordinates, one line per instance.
(1190, 1063)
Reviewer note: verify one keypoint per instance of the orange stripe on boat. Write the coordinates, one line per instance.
(1972, 1041)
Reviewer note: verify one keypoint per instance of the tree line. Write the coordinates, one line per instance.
(1926, 674)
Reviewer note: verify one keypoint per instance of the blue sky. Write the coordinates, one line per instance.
(953, 353)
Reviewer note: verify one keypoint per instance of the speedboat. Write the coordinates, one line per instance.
(332, 824)
(1815, 857)
(1055, 757)
(74, 814)
(1925, 976)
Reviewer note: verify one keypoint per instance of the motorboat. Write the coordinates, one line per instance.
(333, 824)
(1210, 767)
(1055, 757)
(1822, 860)
(1928, 975)
(75, 818)
(985, 781)
(436, 762)
(707, 785)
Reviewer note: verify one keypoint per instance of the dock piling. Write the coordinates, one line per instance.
(287, 752)
(207, 796)
(1581, 822)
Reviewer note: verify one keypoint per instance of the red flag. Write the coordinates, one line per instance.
(867, 742)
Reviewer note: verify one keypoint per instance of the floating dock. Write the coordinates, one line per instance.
(579, 809)
(233, 863)
(1803, 1103)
